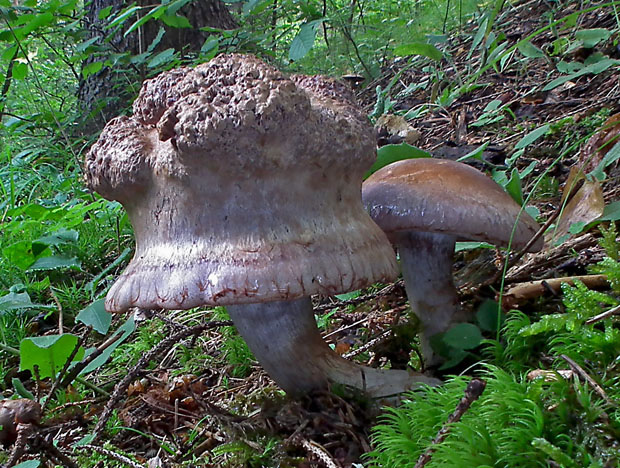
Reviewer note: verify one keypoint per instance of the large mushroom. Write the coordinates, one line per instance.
(425, 206)
(243, 189)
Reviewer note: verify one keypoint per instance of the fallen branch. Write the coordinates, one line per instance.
(532, 289)
(472, 393)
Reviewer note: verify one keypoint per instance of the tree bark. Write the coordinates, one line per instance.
(103, 95)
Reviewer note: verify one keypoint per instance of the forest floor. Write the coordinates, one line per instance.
(248, 414)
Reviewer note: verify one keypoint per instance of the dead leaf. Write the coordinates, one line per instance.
(586, 206)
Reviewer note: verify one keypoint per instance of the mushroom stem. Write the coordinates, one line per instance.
(286, 341)
(426, 261)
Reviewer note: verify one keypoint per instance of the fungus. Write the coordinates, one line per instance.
(16, 412)
(425, 206)
(243, 189)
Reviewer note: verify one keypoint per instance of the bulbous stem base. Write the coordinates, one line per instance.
(286, 341)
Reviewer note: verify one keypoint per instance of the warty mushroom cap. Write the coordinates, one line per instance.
(242, 186)
(441, 196)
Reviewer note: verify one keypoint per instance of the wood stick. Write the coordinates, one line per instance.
(524, 291)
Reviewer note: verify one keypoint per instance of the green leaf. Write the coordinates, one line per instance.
(28, 464)
(529, 50)
(590, 37)
(348, 296)
(463, 336)
(161, 58)
(20, 254)
(96, 316)
(513, 187)
(48, 353)
(595, 68)
(104, 13)
(176, 21)
(611, 157)
(20, 70)
(391, 153)
(460, 246)
(419, 48)
(91, 69)
(153, 14)
(303, 42)
(611, 212)
(21, 390)
(531, 137)
(62, 236)
(55, 262)
(123, 15)
(487, 315)
(125, 330)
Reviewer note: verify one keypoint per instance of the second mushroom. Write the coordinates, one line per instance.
(243, 187)
(425, 206)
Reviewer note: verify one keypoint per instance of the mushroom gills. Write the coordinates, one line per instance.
(285, 340)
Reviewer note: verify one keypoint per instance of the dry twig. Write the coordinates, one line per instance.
(585, 376)
(161, 347)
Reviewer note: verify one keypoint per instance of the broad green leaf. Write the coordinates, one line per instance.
(20, 70)
(13, 301)
(463, 336)
(96, 316)
(532, 137)
(611, 212)
(28, 464)
(419, 48)
(48, 353)
(32, 22)
(176, 21)
(590, 37)
(487, 315)
(161, 58)
(529, 50)
(303, 42)
(62, 236)
(91, 69)
(55, 262)
(104, 13)
(391, 153)
(20, 254)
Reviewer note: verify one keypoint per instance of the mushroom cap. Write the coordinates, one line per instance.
(242, 186)
(452, 198)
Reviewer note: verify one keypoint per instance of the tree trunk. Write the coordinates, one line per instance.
(104, 94)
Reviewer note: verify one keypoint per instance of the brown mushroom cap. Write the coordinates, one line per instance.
(242, 186)
(441, 196)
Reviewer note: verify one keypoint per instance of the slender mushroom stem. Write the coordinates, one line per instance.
(426, 261)
(286, 341)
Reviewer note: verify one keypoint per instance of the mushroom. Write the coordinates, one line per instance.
(425, 206)
(244, 190)
(16, 412)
